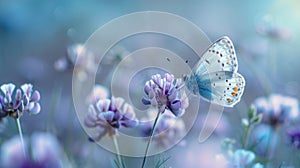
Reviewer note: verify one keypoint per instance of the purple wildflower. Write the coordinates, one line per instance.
(79, 55)
(168, 131)
(69, 60)
(99, 92)
(294, 136)
(42, 150)
(30, 99)
(108, 115)
(164, 93)
(274, 32)
(277, 109)
(14, 104)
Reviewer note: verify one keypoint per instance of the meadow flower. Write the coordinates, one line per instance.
(241, 158)
(116, 54)
(277, 109)
(31, 99)
(168, 130)
(257, 165)
(164, 93)
(69, 60)
(98, 92)
(77, 54)
(15, 103)
(43, 150)
(108, 115)
(264, 138)
(294, 137)
(278, 33)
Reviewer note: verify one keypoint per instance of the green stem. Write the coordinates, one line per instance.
(150, 138)
(21, 135)
(246, 137)
(117, 150)
(270, 150)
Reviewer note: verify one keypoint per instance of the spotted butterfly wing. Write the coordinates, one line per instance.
(223, 87)
(215, 76)
(220, 56)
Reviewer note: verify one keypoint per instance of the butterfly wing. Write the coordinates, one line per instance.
(223, 87)
(215, 76)
(220, 56)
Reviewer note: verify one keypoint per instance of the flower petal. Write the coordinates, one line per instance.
(108, 116)
(175, 105)
(8, 88)
(145, 101)
(27, 89)
(129, 123)
(35, 96)
(35, 108)
(128, 111)
(243, 157)
(147, 87)
(118, 102)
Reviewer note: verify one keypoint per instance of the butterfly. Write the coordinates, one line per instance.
(215, 76)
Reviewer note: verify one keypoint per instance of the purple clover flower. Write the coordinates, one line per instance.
(99, 92)
(294, 137)
(164, 93)
(108, 115)
(42, 150)
(15, 103)
(169, 130)
(30, 99)
(277, 109)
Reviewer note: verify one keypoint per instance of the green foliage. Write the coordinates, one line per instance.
(161, 162)
(116, 163)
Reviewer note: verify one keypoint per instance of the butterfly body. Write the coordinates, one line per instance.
(215, 77)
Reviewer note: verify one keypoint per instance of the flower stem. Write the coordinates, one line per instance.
(270, 150)
(21, 135)
(150, 138)
(117, 150)
(246, 137)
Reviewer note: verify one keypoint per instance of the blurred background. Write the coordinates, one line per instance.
(36, 37)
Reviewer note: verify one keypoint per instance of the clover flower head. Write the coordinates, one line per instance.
(274, 32)
(169, 130)
(44, 148)
(294, 137)
(116, 54)
(15, 103)
(108, 115)
(31, 99)
(82, 57)
(99, 92)
(277, 109)
(242, 158)
(67, 62)
(165, 93)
